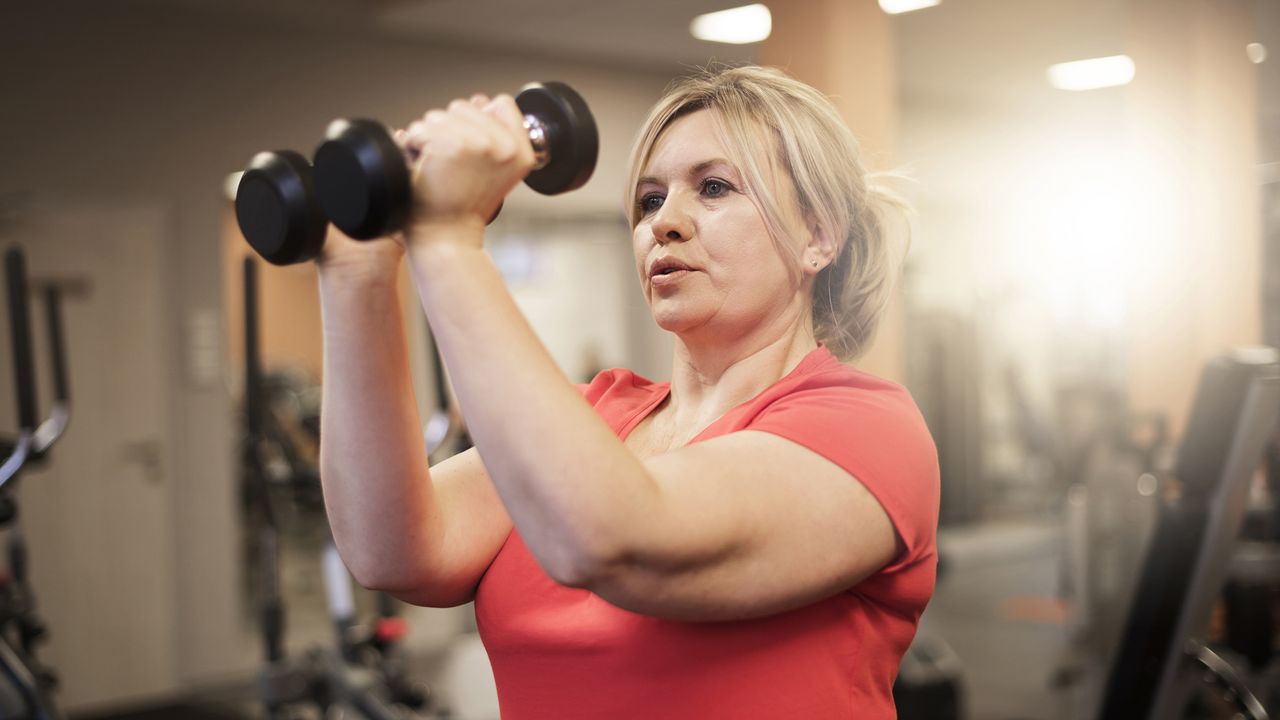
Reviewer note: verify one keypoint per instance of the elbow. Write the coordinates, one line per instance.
(579, 575)
(376, 579)
(584, 566)
(590, 556)
(402, 586)
(372, 571)
(416, 583)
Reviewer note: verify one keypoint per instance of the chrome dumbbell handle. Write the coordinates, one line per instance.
(538, 137)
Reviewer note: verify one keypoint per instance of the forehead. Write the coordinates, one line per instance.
(688, 140)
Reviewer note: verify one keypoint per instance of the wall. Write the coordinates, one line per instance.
(1108, 237)
(107, 102)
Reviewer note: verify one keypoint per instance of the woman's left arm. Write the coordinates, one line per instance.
(740, 526)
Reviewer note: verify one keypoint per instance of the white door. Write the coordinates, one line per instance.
(98, 517)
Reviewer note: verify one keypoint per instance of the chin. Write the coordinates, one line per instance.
(676, 320)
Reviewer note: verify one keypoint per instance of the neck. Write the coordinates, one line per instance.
(710, 378)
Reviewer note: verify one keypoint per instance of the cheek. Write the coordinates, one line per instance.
(758, 274)
(639, 264)
(640, 250)
(746, 250)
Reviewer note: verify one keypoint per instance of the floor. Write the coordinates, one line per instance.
(999, 607)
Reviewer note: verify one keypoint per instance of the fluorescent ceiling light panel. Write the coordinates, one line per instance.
(738, 26)
(897, 7)
(1092, 74)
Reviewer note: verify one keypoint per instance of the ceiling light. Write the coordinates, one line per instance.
(896, 7)
(1257, 52)
(740, 25)
(1092, 74)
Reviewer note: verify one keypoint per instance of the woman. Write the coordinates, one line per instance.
(754, 538)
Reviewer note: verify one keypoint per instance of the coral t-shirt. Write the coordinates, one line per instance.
(561, 653)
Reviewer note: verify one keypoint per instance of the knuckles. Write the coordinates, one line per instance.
(476, 132)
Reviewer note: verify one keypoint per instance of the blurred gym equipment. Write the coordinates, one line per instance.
(1163, 655)
(27, 691)
(364, 673)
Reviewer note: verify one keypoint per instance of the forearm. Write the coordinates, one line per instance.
(377, 489)
(570, 486)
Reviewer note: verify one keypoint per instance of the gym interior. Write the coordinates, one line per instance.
(1086, 318)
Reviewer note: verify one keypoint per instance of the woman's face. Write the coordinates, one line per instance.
(707, 261)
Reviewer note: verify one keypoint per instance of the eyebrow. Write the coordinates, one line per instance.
(695, 170)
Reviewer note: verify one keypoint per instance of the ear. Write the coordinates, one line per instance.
(820, 250)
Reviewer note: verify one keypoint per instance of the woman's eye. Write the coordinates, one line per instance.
(711, 187)
(649, 203)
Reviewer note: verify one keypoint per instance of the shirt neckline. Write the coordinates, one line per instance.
(807, 364)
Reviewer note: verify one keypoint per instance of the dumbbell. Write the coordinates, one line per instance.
(361, 180)
(277, 210)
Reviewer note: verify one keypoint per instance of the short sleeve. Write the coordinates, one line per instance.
(604, 382)
(879, 437)
(620, 396)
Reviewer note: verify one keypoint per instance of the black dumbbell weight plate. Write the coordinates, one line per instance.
(276, 208)
(362, 180)
(572, 140)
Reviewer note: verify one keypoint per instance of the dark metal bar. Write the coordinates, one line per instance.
(20, 328)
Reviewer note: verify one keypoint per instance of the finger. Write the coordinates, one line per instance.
(479, 100)
(461, 138)
(504, 111)
(489, 134)
(504, 108)
(419, 131)
(401, 139)
(461, 105)
(414, 137)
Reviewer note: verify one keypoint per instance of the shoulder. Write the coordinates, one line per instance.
(825, 392)
(869, 426)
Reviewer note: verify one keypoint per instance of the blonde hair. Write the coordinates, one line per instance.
(771, 122)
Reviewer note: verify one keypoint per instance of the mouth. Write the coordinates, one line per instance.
(666, 267)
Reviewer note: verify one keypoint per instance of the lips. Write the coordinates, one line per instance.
(667, 266)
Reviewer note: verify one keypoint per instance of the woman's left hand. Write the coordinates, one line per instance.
(463, 161)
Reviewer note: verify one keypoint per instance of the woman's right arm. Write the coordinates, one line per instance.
(424, 536)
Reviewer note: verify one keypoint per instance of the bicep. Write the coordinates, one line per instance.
(474, 526)
(746, 525)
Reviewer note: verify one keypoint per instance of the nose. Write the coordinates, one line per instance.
(672, 222)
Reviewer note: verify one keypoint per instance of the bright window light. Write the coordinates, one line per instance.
(739, 26)
(1092, 74)
(897, 7)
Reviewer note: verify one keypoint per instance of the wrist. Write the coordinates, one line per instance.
(350, 273)
(460, 231)
(341, 255)
(433, 257)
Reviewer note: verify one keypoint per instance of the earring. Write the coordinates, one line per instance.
(813, 263)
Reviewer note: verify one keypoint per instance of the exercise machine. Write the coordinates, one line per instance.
(29, 685)
(364, 671)
(1163, 656)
